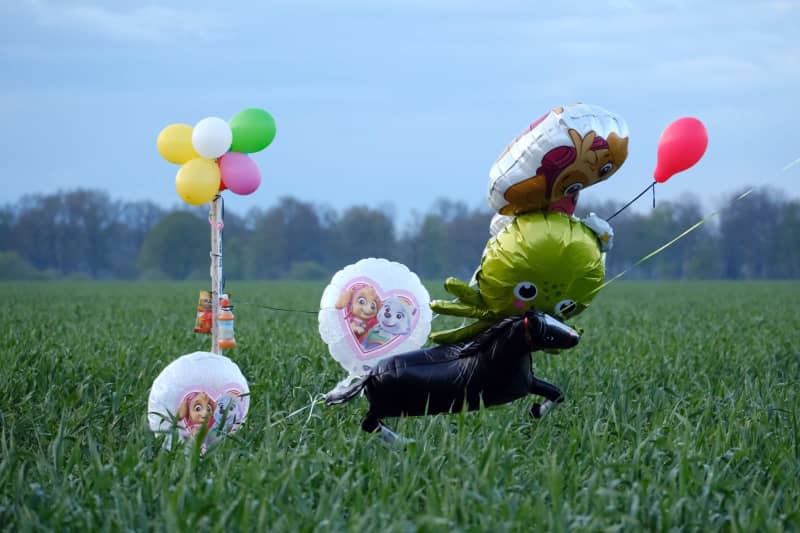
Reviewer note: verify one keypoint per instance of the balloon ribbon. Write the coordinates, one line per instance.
(676, 239)
(626, 206)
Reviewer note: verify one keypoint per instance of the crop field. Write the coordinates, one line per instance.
(681, 413)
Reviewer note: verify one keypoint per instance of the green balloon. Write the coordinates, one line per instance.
(253, 130)
(545, 261)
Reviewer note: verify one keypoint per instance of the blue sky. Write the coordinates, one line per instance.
(397, 101)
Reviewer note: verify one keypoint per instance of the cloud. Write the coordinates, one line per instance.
(144, 23)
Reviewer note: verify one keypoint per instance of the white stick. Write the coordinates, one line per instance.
(215, 218)
(545, 407)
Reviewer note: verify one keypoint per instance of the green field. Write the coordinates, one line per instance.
(682, 413)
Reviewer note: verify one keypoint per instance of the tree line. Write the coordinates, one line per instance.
(86, 234)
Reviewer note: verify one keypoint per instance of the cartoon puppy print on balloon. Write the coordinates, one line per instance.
(195, 409)
(394, 320)
(227, 417)
(564, 151)
(360, 303)
(566, 170)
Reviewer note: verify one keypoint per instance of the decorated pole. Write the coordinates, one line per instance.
(203, 395)
(215, 219)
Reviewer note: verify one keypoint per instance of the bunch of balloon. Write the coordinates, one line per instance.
(203, 396)
(213, 154)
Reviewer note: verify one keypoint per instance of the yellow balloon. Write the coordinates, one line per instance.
(175, 144)
(198, 181)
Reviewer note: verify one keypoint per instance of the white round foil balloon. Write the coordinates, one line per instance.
(196, 389)
(372, 310)
(566, 150)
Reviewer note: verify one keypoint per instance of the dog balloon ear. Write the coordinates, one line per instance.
(344, 299)
(183, 410)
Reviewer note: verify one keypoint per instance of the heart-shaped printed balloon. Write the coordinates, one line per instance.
(372, 310)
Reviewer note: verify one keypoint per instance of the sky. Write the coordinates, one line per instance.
(391, 102)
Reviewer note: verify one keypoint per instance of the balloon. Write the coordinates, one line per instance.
(550, 262)
(492, 369)
(253, 130)
(566, 150)
(372, 310)
(239, 173)
(681, 145)
(196, 391)
(175, 143)
(198, 181)
(212, 137)
(499, 222)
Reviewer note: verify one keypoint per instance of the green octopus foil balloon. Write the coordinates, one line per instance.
(551, 262)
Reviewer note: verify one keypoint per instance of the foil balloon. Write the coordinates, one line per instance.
(372, 310)
(199, 394)
(494, 368)
(499, 222)
(549, 262)
(568, 149)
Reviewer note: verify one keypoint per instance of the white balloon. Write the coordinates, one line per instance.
(197, 387)
(561, 127)
(372, 310)
(212, 137)
(499, 222)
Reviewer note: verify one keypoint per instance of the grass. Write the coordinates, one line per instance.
(682, 413)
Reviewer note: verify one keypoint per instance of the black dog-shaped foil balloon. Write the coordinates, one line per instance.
(492, 369)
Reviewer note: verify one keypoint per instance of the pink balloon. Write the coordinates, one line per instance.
(681, 145)
(239, 173)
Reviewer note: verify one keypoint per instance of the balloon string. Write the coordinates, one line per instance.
(279, 308)
(304, 311)
(316, 401)
(626, 206)
(673, 241)
(793, 163)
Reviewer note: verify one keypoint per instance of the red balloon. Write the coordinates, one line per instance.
(681, 145)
